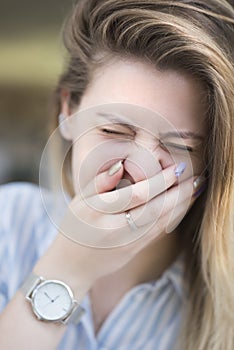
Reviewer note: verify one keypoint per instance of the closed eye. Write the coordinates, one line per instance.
(177, 146)
(109, 131)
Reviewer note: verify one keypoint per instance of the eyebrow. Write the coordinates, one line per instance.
(118, 120)
(184, 134)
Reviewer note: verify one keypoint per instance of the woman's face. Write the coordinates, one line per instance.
(149, 118)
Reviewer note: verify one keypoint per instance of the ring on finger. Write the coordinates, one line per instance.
(130, 221)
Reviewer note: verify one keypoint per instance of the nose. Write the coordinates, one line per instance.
(147, 160)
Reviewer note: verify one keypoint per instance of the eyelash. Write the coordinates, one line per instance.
(185, 148)
(109, 131)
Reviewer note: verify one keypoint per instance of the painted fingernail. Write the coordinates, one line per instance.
(198, 181)
(201, 189)
(199, 184)
(180, 169)
(114, 168)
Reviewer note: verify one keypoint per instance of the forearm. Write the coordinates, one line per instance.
(19, 327)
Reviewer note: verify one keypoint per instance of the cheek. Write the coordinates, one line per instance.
(198, 165)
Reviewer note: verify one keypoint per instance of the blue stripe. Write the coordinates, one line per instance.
(170, 332)
(155, 316)
(128, 323)
(120, 316)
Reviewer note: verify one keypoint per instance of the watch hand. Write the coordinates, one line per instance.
(55, 298)
(48, 296)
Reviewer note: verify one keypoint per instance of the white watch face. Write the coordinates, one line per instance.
(52, 300)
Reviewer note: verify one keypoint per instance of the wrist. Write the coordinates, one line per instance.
(65, 265)
(51, 300)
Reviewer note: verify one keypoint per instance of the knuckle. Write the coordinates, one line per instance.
(139, 195)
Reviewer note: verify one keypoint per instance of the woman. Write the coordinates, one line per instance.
(162, 64)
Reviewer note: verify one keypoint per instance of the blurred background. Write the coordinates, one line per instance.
(31, 59)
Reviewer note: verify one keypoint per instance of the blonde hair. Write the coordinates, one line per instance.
(196, 37)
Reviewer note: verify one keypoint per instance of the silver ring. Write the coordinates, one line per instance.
(130, 221)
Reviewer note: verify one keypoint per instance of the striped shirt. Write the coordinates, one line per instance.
(147, 317)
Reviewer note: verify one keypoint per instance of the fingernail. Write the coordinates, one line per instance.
(200, 190)
(199, 184)
(114, 168)
(198, 181)
(180, 169)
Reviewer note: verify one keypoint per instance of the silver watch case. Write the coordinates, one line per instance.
(30, 288)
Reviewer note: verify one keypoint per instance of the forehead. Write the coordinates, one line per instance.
(175, 96)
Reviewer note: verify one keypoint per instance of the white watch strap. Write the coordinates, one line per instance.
(33, 280)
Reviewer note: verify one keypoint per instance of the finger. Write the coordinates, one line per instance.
(162, 204)
(105, 181)
(148, 227)
(136, 194)
(165, 225)
(121, 232)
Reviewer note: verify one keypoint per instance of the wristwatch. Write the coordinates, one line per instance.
(51, 300)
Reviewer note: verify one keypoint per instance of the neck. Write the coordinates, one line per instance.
(151, 262)
(147, 265)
